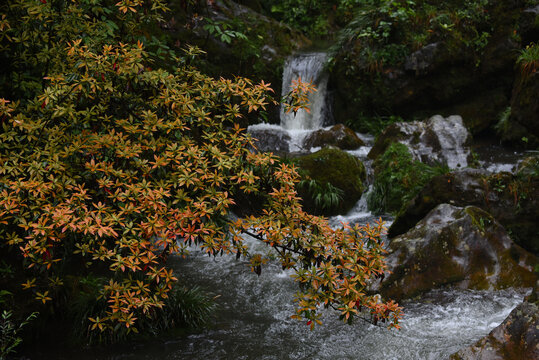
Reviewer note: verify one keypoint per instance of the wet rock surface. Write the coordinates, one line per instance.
(338, 135)
(436, 141)
(516, 338)
(460, 247)
(271, 139)
(513, 199)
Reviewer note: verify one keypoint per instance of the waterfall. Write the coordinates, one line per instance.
(310, 67)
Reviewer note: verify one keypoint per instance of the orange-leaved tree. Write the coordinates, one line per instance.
(113, 166)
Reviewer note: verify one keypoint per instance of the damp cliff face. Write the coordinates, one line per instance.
(308, 67)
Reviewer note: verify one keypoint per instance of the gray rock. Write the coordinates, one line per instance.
(271, 139)
(422, 60)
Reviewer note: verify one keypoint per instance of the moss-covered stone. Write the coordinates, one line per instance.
(436, 141)
(338, 168)
(461, 247)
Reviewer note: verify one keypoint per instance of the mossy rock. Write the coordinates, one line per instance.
(459, 247)
(338, 168)
(438, 140)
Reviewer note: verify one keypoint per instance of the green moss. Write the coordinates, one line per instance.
(398, 178)
(338, 168)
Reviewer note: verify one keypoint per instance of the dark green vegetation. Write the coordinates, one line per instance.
(316, 18)
(118, 151)
(418, 58)
(398, 178)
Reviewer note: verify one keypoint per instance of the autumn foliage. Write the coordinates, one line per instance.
(114, 166)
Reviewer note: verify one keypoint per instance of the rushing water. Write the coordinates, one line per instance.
(253, 320)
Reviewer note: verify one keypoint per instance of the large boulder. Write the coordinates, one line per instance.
(338, 135)
(460, 247)
(513, 199)
(436, 141)
(337, 168)
(516, 338)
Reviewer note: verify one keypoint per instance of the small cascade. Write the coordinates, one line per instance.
(308, 67)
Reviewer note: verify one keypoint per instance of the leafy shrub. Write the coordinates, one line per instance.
(109, 165)
(317, 18)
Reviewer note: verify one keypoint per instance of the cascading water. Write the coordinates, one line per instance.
(310, 68)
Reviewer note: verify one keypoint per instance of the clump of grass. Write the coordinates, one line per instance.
(529, 60)
(185, 308)
(325, 196)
